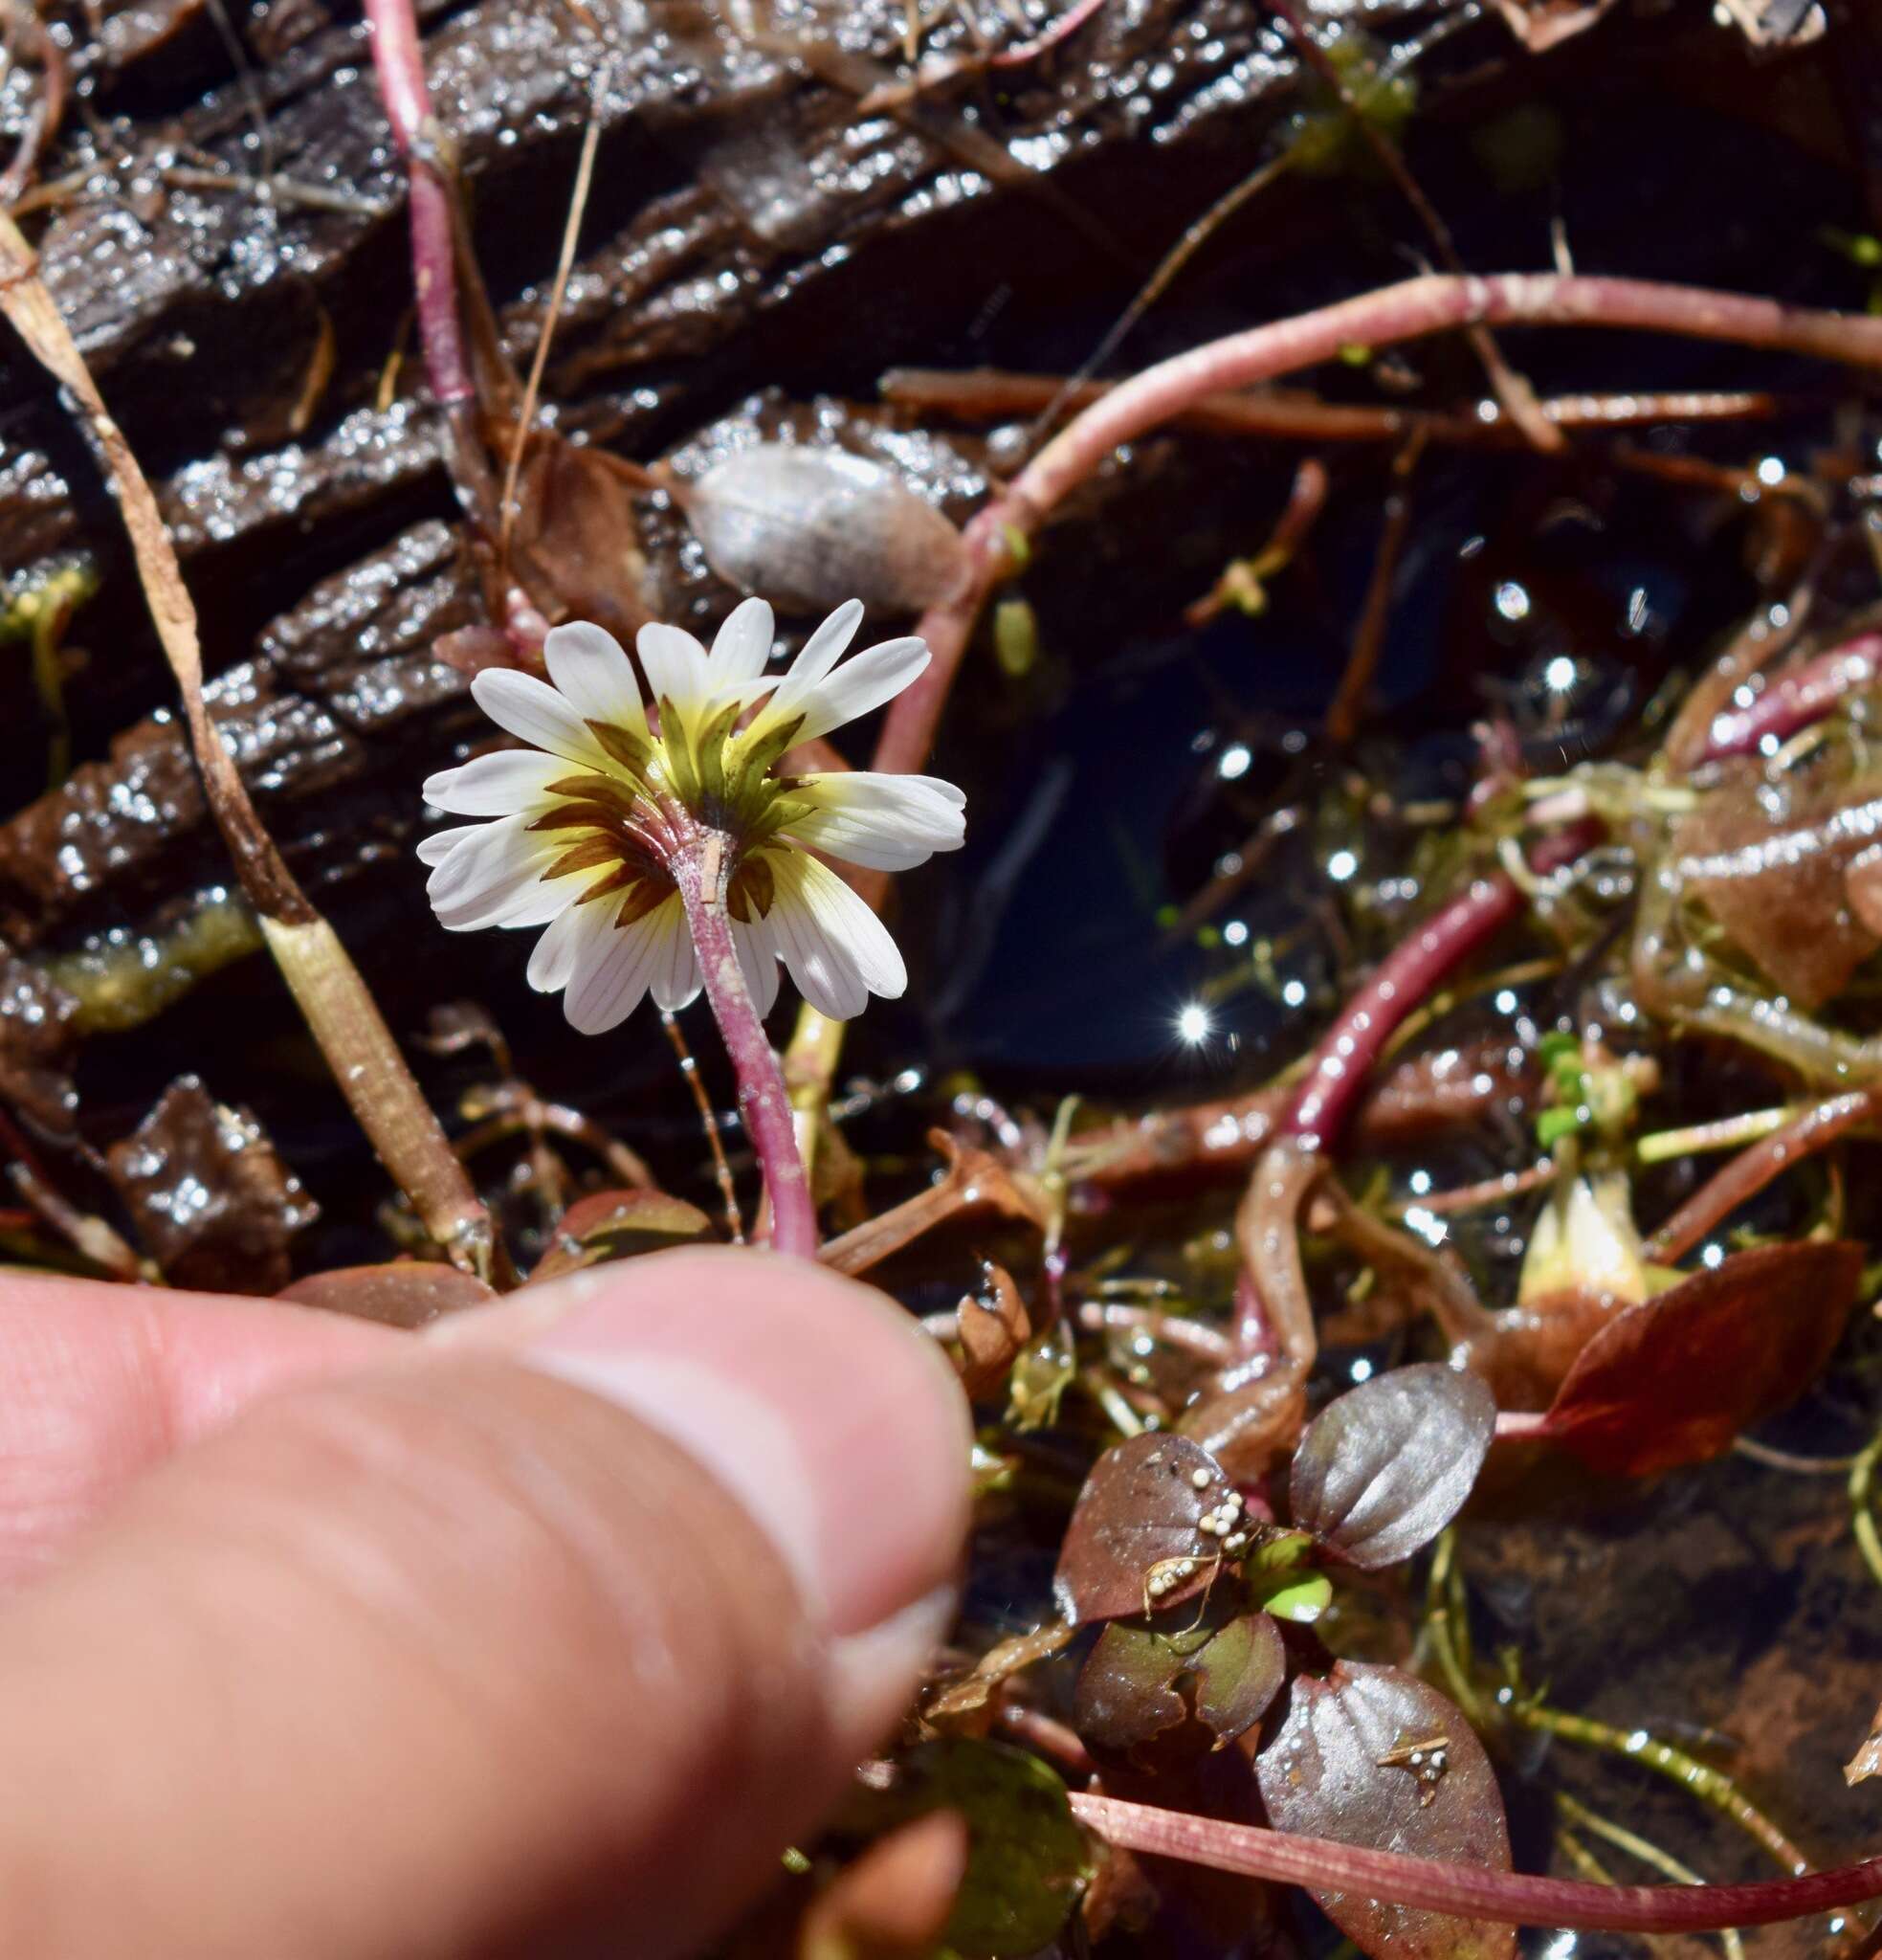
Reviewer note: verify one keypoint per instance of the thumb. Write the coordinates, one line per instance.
(546, 1639)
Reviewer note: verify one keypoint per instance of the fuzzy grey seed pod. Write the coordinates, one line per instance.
(808, 529)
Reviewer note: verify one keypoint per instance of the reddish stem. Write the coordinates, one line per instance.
(400, 64)
(1752, 1168)
(1469, 1891)
(1067, 24)
(1796, 699)
(764, 1102)
(1408, 974)
(1406, 977)
(1410, 310)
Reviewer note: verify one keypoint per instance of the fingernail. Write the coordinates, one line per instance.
(815, 1401)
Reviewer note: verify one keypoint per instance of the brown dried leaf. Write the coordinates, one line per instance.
(1675, 1379)
(573, 547)
(1340, 1767)
(893, 1903)
(1138, 1513)
(402, 1293)
(214, 1205)
(994, 1327)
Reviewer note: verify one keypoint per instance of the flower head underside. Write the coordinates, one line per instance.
(586, 829)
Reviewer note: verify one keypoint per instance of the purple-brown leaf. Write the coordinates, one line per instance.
(403, 1293)
(1139, 1684)
(1675, 1379)
(1137, 1516)
(617, 1224)
(1384, 1468)
(1367, 1755)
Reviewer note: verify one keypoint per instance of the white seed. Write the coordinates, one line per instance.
(1199, 1480)
(1187, 1570)
(1237, 1545)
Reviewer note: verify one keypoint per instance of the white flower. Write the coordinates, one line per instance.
(588, 823)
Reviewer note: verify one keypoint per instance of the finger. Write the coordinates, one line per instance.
(98, 1382)
(549, 1635)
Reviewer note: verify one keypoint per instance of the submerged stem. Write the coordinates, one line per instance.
(1709, 1785)
(764, 1105)
(1862, 1475)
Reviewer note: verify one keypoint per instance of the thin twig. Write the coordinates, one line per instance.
(571, 231)
(1514, 393)
(689, 1068)
(1342, 716)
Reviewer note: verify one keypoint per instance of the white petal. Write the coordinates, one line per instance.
(436, 848)
(757, 961)
(495, 878)
(676, 979)
(886, 822)
(861, 684)
(613, 965)
(824, 647)
(534, 710)
(742, 644)
(675, 664)
(498, 785)
(553, 959)
(838, 951)
(594, 674)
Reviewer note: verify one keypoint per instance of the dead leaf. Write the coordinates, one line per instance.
(994, 1327)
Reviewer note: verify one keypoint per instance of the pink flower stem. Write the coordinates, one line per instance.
(1796, 699)
(1470, 1891)
(763, 1105)
(400, 65)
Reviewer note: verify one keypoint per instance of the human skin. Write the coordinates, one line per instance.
(541, 1633)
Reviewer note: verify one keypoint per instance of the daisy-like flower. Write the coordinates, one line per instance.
(628, 821)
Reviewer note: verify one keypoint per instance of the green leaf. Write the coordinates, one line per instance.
(1026, 1860)
(1301, 1600)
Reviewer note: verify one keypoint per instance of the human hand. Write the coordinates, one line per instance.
(542, 1633)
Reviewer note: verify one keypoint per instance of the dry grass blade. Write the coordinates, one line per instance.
(340, 1009)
